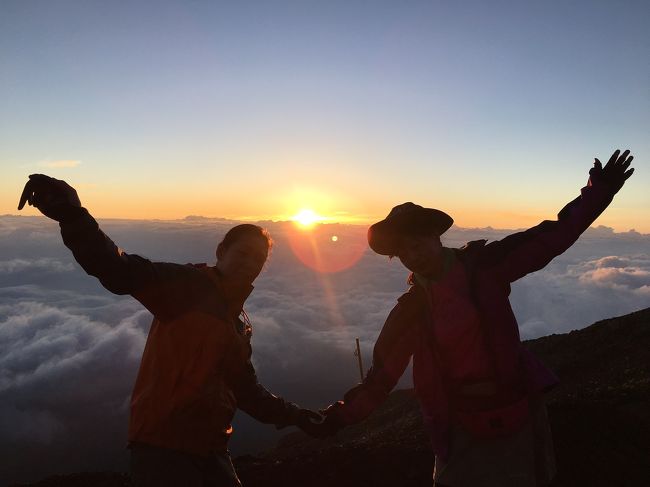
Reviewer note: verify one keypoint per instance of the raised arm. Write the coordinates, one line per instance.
(254, 399)
(391, 356)
(158, 286)
(525, 252)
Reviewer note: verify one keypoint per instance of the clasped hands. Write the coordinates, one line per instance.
(322, 425)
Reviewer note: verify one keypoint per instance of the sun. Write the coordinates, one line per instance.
(306, 218)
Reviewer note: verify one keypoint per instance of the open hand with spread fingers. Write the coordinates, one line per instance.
(615, 172)
(54, 198)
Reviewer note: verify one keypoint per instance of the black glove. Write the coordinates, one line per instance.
(615, 172)
(54, 198)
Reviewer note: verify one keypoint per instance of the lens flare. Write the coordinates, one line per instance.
(328, 248)
(306, 218)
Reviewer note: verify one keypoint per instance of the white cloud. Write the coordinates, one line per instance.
(627, 273)
(65, 382)
(71, 349)
(44, 264)
(572, 292)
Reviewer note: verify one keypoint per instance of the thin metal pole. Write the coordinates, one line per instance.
(357, 352)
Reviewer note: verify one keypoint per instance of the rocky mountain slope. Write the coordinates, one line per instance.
(600, 416)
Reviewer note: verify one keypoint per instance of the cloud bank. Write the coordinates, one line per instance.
(69, 350)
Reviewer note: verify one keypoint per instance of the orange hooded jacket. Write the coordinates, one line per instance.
(196, 369)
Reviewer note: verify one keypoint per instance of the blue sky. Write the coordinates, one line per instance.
(492, 111)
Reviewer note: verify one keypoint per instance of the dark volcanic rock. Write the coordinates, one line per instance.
(600, 413)
(389, 448)
(94, 479)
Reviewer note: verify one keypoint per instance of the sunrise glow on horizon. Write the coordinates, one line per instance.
(485, 214)
(307, 218)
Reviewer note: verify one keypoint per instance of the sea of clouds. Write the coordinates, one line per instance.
(69, 350)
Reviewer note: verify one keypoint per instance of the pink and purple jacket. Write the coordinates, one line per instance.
(491, 268)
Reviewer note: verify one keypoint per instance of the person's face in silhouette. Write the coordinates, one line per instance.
(421, 254)
(242, 260)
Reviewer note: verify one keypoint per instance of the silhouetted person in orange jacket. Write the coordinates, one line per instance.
(196, 369)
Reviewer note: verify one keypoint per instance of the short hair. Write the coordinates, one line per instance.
(245, 230)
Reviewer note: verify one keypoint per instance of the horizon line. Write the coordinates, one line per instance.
(189, 218)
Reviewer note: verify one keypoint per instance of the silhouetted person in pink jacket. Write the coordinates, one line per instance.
(480, 390)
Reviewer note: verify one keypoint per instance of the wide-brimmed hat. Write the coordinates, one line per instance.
(406, 219)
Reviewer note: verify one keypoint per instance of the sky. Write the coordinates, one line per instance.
(491, 111)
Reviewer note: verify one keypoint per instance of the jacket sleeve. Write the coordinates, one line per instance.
(160, 287)
(253, 398)
(391, 356)
(525, 252)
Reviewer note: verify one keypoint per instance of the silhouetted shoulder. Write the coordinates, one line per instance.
(410, 307)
